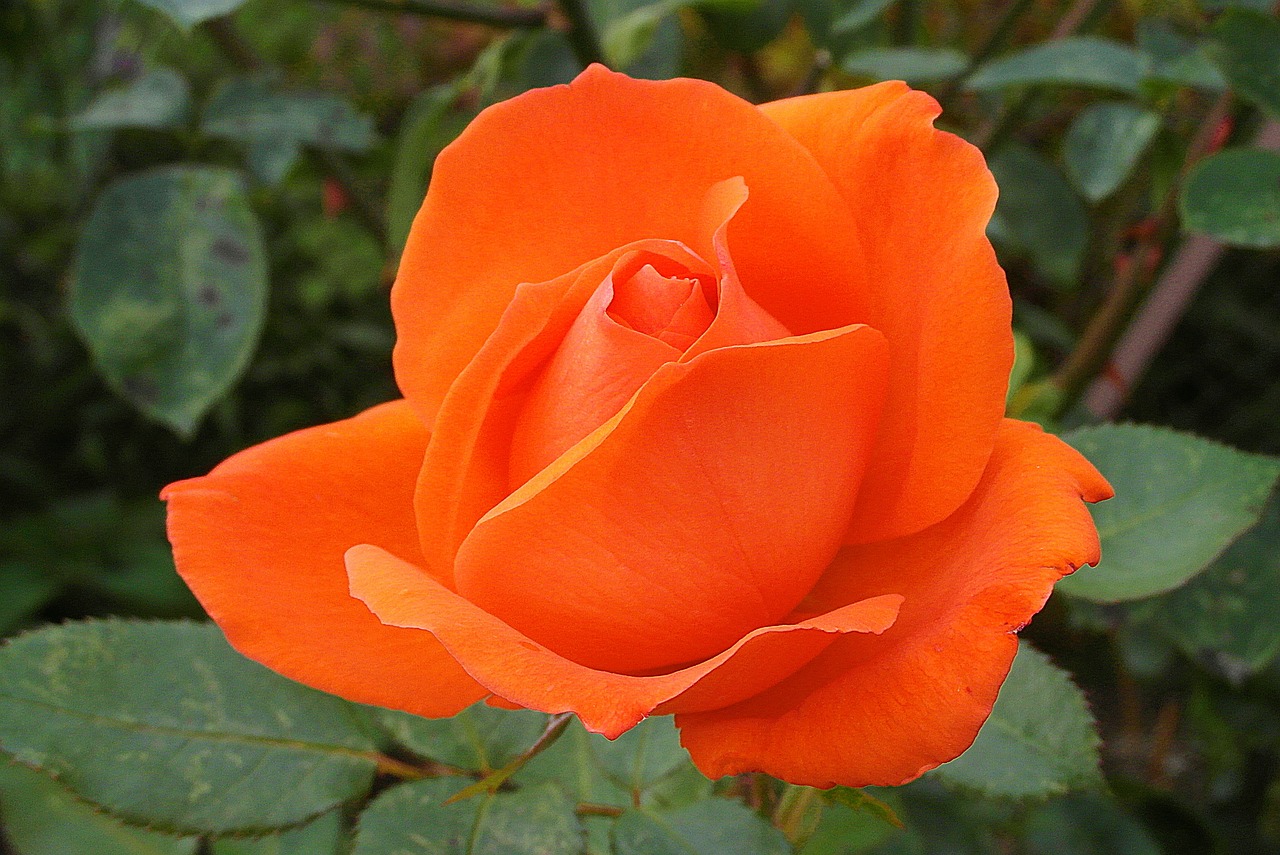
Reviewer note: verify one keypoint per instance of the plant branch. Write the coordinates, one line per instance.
(798, 813)
(363, 205)
(993, 133)
(451, 11)
(753, 78)
(906, 22)
(580, 30)
(229, 41)
(817, 70)
(1134, 278)
(244, 57)
(999, 35)
(398, 768)
(1171, 295)
(490, 783)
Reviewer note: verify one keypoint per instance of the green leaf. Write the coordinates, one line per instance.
(645, 766)
(249, 110)
(1174, 58)
(160, 98)
(1086, 825)
(711, 827)
(938, 821)
(1180, 500)
(271, 160)
(429, 125)
(843, 830)
(1220, 5)
(1234, 196)
(1038, 213)
(643, 755)
(860, 14)
(1039, 741)
(1078, 61)
(746, 28)
(1226, 616)
(188, 13)
(628, 37)
(1103, 145)
(164, 724)
(572, 764)
(1024, 361)
(168, 289)
(1246, 46)
(862, 801)
(41, 818)
(912, 64)
(323, 835)
(480, 738)
(412, 819)
(537, 820)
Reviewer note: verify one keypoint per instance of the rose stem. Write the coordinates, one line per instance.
(992, 134)
(999, 35)
(490, 783)
(581, 32)
(1132, 279)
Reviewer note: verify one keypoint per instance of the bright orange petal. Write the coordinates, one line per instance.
(705, 509)
(554, 178)
(921, 199)
(884, 710)
(261, 539)
(522, 672)
(466, 471)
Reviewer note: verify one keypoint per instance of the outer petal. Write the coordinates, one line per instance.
(261, 539)
(707, 508)
(521, 672)
(921, 199)
(885, 710)
(547, 181)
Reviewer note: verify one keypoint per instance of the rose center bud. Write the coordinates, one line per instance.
(672, 309)
(647, 312)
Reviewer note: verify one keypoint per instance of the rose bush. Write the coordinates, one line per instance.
(703, 415)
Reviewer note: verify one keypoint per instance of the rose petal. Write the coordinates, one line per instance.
(596, 369)
(466, 468)
(885, 710)
(554, 178)
(601, 364)
(673, 309)
(739, 319)
(521, 672)
(261, 539)
(705, 509)
(921, 199)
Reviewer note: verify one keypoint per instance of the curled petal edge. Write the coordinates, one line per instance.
(522, 672)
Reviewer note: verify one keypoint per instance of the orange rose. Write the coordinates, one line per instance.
(703, 415)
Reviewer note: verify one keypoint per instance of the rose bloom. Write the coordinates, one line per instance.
(703, 414)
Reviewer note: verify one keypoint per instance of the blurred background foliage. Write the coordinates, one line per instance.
(202, 204)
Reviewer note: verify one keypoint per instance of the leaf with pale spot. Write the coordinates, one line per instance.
(164, 724)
